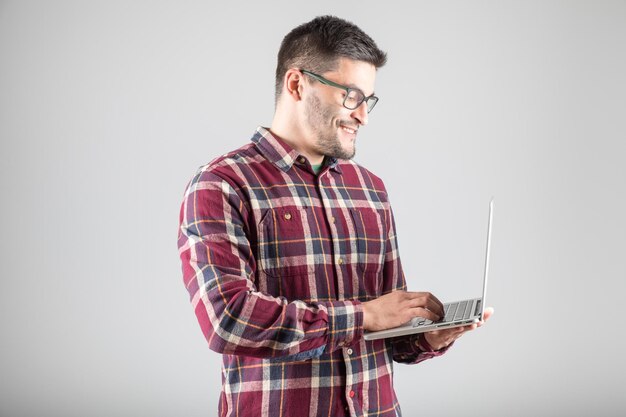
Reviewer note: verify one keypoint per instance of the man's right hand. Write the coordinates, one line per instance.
(398, 307)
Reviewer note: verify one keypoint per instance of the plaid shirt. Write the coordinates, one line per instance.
(277, 261)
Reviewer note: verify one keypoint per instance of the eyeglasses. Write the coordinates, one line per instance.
(353, 98)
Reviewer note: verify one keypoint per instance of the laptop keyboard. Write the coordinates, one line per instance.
(460, 310)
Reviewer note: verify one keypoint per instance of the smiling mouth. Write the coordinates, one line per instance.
(349, 129)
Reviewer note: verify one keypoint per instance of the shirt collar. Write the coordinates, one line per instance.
(280, 153)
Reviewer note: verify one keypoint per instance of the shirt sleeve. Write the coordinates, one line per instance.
(218, 271)
(405, 349)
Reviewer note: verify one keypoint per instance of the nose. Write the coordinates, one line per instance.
(360, 114)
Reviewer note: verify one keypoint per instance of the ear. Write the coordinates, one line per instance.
(294, 81)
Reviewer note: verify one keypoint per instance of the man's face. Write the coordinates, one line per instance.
(332, 128)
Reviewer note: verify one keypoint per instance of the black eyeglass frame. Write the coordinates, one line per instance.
(369, 101)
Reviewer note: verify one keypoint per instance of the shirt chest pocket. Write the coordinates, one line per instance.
(284, 243)
(369, 241)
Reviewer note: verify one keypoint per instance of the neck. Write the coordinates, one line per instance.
(289, 129)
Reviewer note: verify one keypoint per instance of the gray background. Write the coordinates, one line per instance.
(107, 108)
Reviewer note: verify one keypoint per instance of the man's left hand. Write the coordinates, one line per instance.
(439, 339)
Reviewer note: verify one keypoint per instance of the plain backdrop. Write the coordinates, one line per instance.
(108, 107)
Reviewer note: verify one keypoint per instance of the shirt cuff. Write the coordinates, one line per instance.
(345, 323)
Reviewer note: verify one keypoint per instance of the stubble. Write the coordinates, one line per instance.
(319, 118)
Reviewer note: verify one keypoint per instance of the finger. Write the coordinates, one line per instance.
(487, 313)
(453, 332)
(435, 305)
(428, 301)
(465, 329)
(425, 313)
(424, 295)
(446, 336)
(462, 329)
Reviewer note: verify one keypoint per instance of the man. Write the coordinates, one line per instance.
(289, 248)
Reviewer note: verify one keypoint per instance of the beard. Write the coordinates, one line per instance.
(319, 119)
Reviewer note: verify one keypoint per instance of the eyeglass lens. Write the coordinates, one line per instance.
(355, 98)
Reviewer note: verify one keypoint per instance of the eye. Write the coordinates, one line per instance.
(354, 96)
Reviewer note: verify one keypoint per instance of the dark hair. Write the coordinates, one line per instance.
(317, 45)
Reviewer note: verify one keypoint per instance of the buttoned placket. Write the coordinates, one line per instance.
(326, 198)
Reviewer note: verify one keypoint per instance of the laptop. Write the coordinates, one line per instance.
(459, 313)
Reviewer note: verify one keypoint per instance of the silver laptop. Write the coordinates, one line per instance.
(457, 314)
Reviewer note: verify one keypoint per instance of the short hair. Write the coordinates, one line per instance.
(317, 46)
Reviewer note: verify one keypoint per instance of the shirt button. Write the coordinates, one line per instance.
(340, 261)
(351, 394)
(350, 352)
(332, 220)
(288, 216)
(301, 159)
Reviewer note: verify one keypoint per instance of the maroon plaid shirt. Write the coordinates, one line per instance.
(277, 261)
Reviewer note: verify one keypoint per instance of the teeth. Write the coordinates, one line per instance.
(347, 129)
